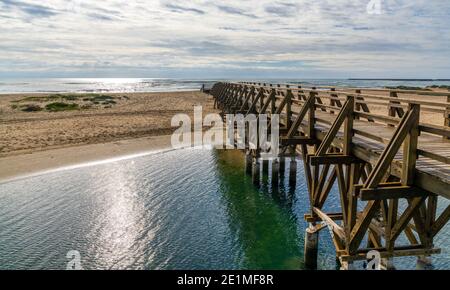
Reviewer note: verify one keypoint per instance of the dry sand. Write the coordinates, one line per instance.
(139, 122)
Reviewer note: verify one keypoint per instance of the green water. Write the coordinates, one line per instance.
(184, 209)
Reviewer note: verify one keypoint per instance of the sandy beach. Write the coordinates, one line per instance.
(44, 140)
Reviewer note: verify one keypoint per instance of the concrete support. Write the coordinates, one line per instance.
(311, 247)
(256, 172)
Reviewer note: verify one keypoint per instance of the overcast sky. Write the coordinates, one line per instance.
(232, 38)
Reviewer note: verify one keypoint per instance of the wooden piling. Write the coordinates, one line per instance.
(256, 172)
(248, 163)
(311, 247)
(282, 166)
(265, 164)
(293, 172)
(275, 173)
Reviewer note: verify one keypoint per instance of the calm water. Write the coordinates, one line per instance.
(189, 209)
(103, 85)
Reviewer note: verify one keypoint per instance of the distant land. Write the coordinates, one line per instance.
(408, 80)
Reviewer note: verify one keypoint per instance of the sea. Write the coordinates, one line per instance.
(130, 85)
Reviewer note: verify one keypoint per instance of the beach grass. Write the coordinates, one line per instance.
(59, 106)
(31, 108)
(408, 88)
(63, 102)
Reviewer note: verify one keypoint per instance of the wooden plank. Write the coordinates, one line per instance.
(331, 223)
(337, 216)
(402, 251)
(298, 140)
(384, 193)
(333, 159)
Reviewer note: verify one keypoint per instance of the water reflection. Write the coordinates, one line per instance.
(265, 228)
(188, 209)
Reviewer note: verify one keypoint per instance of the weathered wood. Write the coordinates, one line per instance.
(440, 222)
(407, 215)
(410, 147)
(402, 251)
(385, 193)
(338, 230)
(337, 216)
(298, 140)
(333, 159)
(301, 115)
(347, 109)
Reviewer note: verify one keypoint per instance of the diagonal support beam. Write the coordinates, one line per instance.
(308, 105)
(345, 112)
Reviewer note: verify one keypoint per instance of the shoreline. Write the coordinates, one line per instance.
(41, 162)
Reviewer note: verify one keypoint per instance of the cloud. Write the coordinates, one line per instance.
(314, 38)
(34, 10)
(235, 11)
(282, 9)
(178, 8)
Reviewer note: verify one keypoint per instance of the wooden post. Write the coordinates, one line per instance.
(410, 148)
(332, 102)
(357, 105)
(424, 263)
(288, 108)
(393, 109)
(348, 127)
(293, 172)
(248, 163)
(312, 117)
(275, 173)
(447, 115)
(256, 172)
(311, 247)
(265, 166)
(282, 165)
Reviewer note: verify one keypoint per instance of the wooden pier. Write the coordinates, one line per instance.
(391, 169)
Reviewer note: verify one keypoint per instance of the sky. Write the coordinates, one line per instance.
(225, 39)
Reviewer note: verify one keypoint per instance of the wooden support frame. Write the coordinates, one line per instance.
(331, 157)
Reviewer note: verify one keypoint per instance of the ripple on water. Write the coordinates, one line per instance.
(188, 209)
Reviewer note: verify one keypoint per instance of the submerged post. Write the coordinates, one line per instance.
(293, 172)
(255, 171)
(282, 166)
(275, 173)
(265, 166)
(311, 247)
(248, 163)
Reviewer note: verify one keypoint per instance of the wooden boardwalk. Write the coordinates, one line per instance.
(376, 160)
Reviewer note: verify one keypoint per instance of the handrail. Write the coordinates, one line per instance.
(388, 120)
